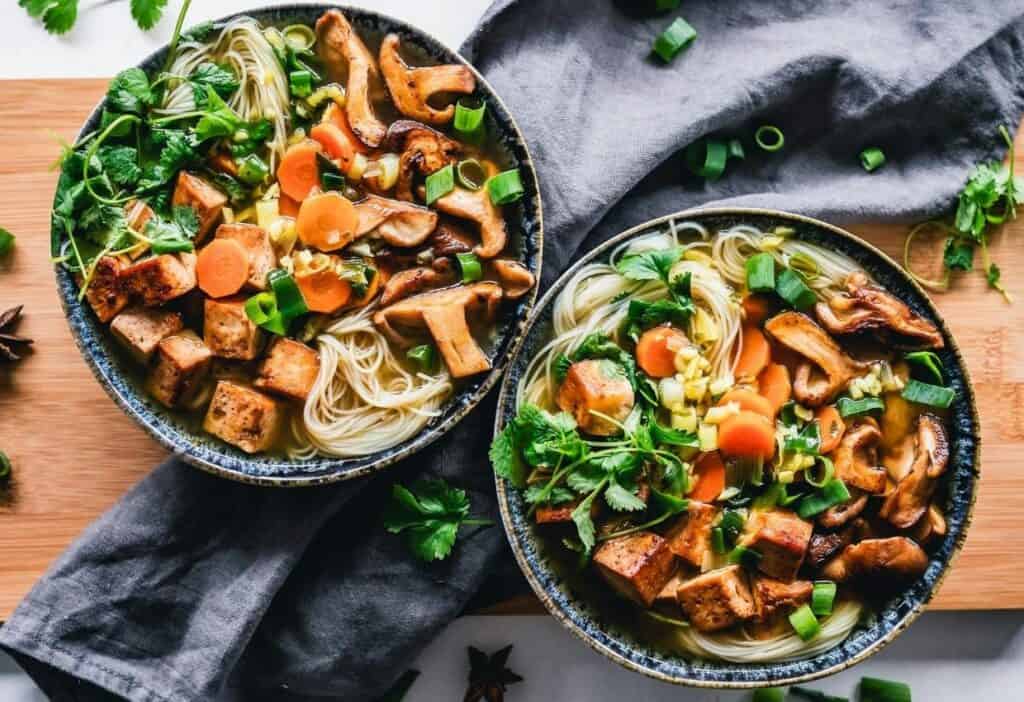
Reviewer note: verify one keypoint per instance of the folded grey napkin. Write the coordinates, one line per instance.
(195, 588)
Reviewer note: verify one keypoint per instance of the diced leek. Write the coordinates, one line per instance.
(804, 413)
(696, 389)
(822, 597)
(770, 243)
(246, 215)
(357, 168)
(332, 91)
(707, 436)
(720, 386)
(684, 356)
(282, 235)
(717, 415)
(266, 212)
(685, 420)
(387, 166)
(761, 273)
(228, 214)
(670, 391)
(704, 327)
(692, 370)
(785, 477)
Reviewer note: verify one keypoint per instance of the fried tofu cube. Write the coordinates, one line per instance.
(772, 596)
(781, 537)
(637, 566)
(667, 596)
(106, 293)
(206, 200)
(290, 369)
(556, 514)
(182, 362)
(256, 243)
(596, 385)
(690, 537)
(140, 330)
(717, 599)
(159, 279)
(228, 331)
(243, 417)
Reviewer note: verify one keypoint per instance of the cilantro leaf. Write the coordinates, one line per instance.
(178, 150)
(120, 163)
(60, 16)
(505, 456)
(622, 500)
(681, 285)
(35, 8)
(219, 120)
(536, 494)
(221, 79)
(587, 477)
(175, 234)
(584, 523)
(649, 265)
(665, 502)
(429, 515)
(562, 365)
(651, 314)
(130, 91)
(198, 32)
(958, 255)
(147, 13)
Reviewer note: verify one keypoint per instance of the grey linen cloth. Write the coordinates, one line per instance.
(195, 588)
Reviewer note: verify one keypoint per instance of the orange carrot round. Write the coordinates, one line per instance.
(298, 173)
(709, 471)
(324, 291)
(336, 116)
(287, 207)
(831, 427)
(773, 384)
(756, 308)
(335, 143)
(749, 400)
(756, 353)
(326, 221)
(371, 290)
(222, 267)
(656, 351)
(747, 435)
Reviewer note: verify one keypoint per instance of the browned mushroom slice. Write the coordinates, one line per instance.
(348, 60)
(423, 150)
(399, 223)
(411, 88)
(895, 558)
(856, 457)
(443, 313)
(839, 515)
(516, 279)
(866, 306)
(931, 525)
(908, 501)
(451, 237)
(413, 281)
(823, 546)
(477, 207)
(827, 369)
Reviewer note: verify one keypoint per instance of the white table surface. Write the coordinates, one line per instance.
(945, 656)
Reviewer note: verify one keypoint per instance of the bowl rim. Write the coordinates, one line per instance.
(914, 612)
(180, 444)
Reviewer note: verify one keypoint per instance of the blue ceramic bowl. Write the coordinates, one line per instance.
(121, 379)
(593, 616)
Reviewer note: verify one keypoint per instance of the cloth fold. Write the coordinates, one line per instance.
(196, 588)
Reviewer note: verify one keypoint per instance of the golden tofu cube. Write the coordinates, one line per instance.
(228, 331)
(140, 330)
(717, 600)
(637, 566)
(182, 362)
(290, 369)
(243, 417)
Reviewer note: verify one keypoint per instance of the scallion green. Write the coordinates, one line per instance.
(929, 361)
(731, 524)
(878, 690)
(5, 467)
(300, 83)
(746, 557)
(287, 295)
(926, 394)
(804, 623)
(471, 174)
(872, 159)
(849, 407)
(769, 137)
(252, 170)
(761, 273)
(828, 471)
(769, 694)
(718, 540)
(736, 149)
(423, 357)
(470, 266)
(792, 288)
(814, 695)
(440, 183)
(469, 115)
(823, 597)
(169, 245)
(261, 309)
(674, 39)
(833, 493)
(506, 187)
(332, 181)
(707, 158)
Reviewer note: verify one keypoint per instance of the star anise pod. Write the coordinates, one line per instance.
(488, 676)
(9, 341)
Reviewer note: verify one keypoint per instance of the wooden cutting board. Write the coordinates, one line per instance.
(75, 453)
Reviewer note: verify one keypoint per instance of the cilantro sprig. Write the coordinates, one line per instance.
(677, 308)
(59, 16)
(429, 516)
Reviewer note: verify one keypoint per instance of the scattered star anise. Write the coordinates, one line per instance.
(9, 341)
(488, 675)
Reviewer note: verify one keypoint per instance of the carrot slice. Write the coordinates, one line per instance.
(774, 385)
(222, 268)
(298, 173)
(750, 401)
(326, 221)
(287, 207)
(656, 351)
(335, 143)
(757, 308)
(709, 470)
(324, 291)
(831, 427)
(756, 353)
(336, 116)
(371, 290)
(747, 435)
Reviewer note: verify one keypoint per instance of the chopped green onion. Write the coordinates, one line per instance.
(771, 497)
(506, 187)
(289, 299)
(805, 623)
(814, 695)
(665, 5)
(261, 309)
(166, 246)
(731, 524)
(822, 597)
(332, 181)
(928, 360)
(471, 174)
(808, 441)
(746, 557)
(849, 407)
(769, 694)
(6, 242)
(469, 116)
(828, 472)
(674, 39)
(718, 540)
(300, 83)
(299, 36)
(872, 159)
(707, 158)
(440, 183)
(769, 137)
(792, 288)
(423, 357)
(761, 273)
(832, 494)
(878, 690)
(925, 394)
(806, 266)
(470, 266)
(736, 149)
(5, 467)
(252, 170)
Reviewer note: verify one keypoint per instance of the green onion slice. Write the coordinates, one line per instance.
(926, 394)
(878, 690)
(166, 246)
(814, 695)
(746, 557)
(288, 297)
(768, 694)
(761, 273)
(806, 266)
(665, 5)
(506, 187)
(731, 524)
(253, 170)
(769, 137)
(808, 441)
(423, 357)
(718, 540)
(774, 495)
(262, 310)
(828, 471)
(332, 181)
(822, 597)
(470, 266)
(736, 149)
(300, 83)
(5, 467)
(872, 158)
(299, 36)
(929, 361)
(469, 115)
(792, 288)
(471, 174)
(832, 494)
(848, 407)
(805, 624)
(674, 39)
(440, 183)
(707, 158)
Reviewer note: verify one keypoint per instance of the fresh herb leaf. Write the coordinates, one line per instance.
(622, 500)
(35, 8)
(958, 255)
(219, 120)
(120, 163)
(429, 515)
(649, 265)
(505, 456)
(584, 523)
(130, 91)
(650, 314)
(198, 32)
(59, 16)
(681, 285)
(147, 13)
(562, 365)
(6, 242)
(537, 494)
(175, 234)
(221, 79)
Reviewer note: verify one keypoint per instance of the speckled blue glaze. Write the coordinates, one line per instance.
(115, 371)
(582, 618)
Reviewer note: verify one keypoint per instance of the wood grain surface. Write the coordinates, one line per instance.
(75, 453)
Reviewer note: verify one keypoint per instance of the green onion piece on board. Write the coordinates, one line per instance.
(925, 394)
(674, 39)
(252, 170)
(665, 5)
(828, 471)
(814, 695)
(872, 159)
(769, 137)
(5, 467)
(165, 246)
(848, 407)
(300, 83)
(469, 115)
(736, 149)
(423, 357)
(718, 540)
(261, 309)
(769, 694)
(289, 299)
(332, 181)
(832, 494)
(707, 158)
(746, 557)
(878, 690)
(440, 183)
(761, 273)
(470, 266)
(823, 597)
(929, 361)
(792, 288)
(6, 242)
(471, 174)
(506, 187)
(805, 624)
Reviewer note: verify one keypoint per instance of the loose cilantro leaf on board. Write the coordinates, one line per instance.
(147, 13)
(429, 516)
(957, 255)
(59, 16)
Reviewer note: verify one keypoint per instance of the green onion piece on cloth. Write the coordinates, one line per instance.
(674, 39)
(707, 158)
(872, 159)
(769, 137)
